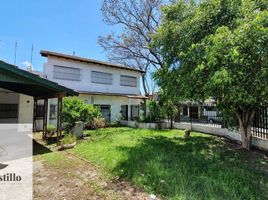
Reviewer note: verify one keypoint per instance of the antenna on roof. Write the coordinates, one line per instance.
(15, 55)
(31, 64)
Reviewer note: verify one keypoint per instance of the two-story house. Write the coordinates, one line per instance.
(115, 88)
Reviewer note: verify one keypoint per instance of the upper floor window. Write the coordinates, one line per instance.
(66, 73)
(128, 81)
(101, 77)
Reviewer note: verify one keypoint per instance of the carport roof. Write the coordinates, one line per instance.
(21, 81)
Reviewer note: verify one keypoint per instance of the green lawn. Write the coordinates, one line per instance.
(164, 163)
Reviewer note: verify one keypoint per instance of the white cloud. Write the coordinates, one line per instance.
(27, 64)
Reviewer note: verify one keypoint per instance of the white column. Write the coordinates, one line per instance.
(129, 109)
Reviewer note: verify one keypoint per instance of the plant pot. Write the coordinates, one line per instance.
(68, 146)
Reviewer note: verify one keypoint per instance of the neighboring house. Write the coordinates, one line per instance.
(207, 111)
(115, 88)
(191, 110)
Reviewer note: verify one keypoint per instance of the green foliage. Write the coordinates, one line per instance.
(51, 128)
(159, 110)
(68, 139)
(216, 49)
(168, 105)
(75, 109)
(166, 164)
(154, 113)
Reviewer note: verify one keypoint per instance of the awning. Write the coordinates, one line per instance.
(21, 81)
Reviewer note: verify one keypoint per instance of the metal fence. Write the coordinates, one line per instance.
(260, 123)
(206, 114)
(209, 115)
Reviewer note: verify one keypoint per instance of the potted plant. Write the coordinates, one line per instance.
(68, 141)
(51, 129)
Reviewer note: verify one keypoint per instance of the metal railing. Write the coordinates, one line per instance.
(209, 115)
(260, 123)
(206, 114)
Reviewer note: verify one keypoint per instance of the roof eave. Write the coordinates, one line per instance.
(76, 58)
(39, 80)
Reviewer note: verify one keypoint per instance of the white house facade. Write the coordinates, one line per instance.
(115, 88)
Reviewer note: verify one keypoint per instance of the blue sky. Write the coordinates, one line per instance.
(56, 25)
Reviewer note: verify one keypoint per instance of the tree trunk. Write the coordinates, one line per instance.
(171, 122)
(144, 85)
(245, 136)
(245, 119)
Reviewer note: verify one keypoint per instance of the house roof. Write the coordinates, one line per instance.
(87, 60)
(21, 81)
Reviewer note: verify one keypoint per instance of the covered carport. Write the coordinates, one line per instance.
(21, 82)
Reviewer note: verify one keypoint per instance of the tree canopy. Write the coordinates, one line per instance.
(138, 20)
(216, 49)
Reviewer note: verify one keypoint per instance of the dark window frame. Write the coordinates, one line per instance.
(132, 107)
(52, 107)
(39, 111)
(124, 112)
(7, 110)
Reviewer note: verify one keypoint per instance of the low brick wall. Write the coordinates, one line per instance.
(205, 128)
(257, 142)
(135, 124)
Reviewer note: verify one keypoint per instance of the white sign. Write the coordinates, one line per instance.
(16, 165)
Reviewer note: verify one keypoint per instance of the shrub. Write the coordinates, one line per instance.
(155, 113)
(51, 129)
(75, 109)
(96, 123)
(69, 139)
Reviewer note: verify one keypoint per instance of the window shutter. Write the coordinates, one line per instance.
(66, 73)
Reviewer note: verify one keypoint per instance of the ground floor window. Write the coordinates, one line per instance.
(124, 112)
(135, 112)
(185, 110)
(39, 111)
(8, 111)
(105, 112)
(52, 111)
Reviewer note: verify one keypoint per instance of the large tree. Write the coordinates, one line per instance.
(137, 20)
(217, 49)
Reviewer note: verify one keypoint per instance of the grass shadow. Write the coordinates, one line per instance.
(39, 149)
(197, 168)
